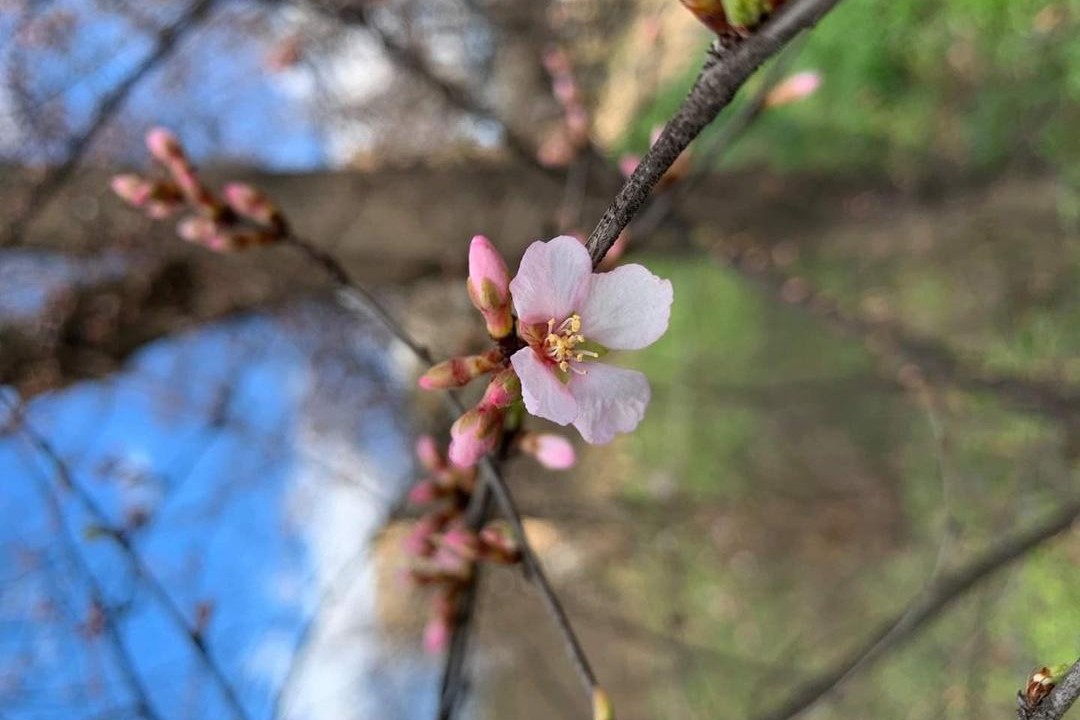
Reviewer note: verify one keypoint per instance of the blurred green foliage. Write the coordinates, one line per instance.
(908, 85)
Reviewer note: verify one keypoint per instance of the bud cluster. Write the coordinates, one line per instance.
(444, 550)
(572, 136)
(242, 217)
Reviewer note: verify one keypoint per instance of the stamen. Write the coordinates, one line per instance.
(562, 341)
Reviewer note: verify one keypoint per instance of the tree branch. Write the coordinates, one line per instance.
(167, 42)
(1057, 703)
(925, 608)
(66, 480)
(723, 74)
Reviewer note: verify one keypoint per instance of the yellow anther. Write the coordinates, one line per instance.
(561, 343)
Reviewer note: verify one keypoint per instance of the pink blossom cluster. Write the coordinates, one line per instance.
(242, 217)
(572, 135)
(443, 549)
(553, 322)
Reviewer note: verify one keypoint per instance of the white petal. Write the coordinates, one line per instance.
(544, 393)
(552, 280)
(627, 308)
(610, 400)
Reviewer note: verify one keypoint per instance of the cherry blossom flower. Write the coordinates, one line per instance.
(569, 317)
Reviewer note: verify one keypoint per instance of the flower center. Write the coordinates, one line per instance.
(561, 344)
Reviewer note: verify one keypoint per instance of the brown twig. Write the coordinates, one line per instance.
(110, 624)
(167, 41)
(1057, 703)
(925, 608)
(723, 73)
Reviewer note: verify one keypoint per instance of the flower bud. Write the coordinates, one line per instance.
(164, 146)
(132, 189)
(503, 390)
(497, 543)
(552, 451)
(489, 286)
(474, 434)
(425, 492)
(793, 89)
(427, 452)
(602, 708)
(437, 635)
(459, 371)
(251, 203)
(461, 541)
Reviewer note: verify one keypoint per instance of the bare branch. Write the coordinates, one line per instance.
(925, 608)
(721, 77)
(167, 42)
(66, 480)
(1057, 703)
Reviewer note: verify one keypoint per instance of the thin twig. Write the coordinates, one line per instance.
(167, 41)
(925, 608)
(110, 625)
(1060, 699)
(66, 480)
(721, 77)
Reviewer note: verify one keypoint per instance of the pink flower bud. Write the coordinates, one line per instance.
(419, 540)
(489, 286)
(793, 89)
(132, 189)
(197, 230)
(437, 635)
(474, 434)
(461, 541)
(628, 164)
(427, 451)
(251, 203)
(459, 371)
(552, 451)
(503, 390)
(497, 543)
(449, 564)
(164, 146)
(425, 492)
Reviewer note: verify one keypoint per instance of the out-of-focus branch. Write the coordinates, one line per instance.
(893, 343)
(66, 480)
(167, 42)
(110, 625)
(926, 607)
(723, 74)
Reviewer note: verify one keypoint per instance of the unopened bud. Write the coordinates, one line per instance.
(459, 371)
(132, 189)
(461, 541)
(425, 492)
(602, 708)
(251, 203)
(503, 390)
(489, 286)
(497, 543)
(427, 452)
(793, 89)
(437, 635)
(552, 451)
(474, 434)
(164, 146)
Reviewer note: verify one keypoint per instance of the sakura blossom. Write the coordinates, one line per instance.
(569, 318)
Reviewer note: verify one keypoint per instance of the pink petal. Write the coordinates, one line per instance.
(627, 308)
(545, 394)
(552, 280)
(552, 451)
(610, 400)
